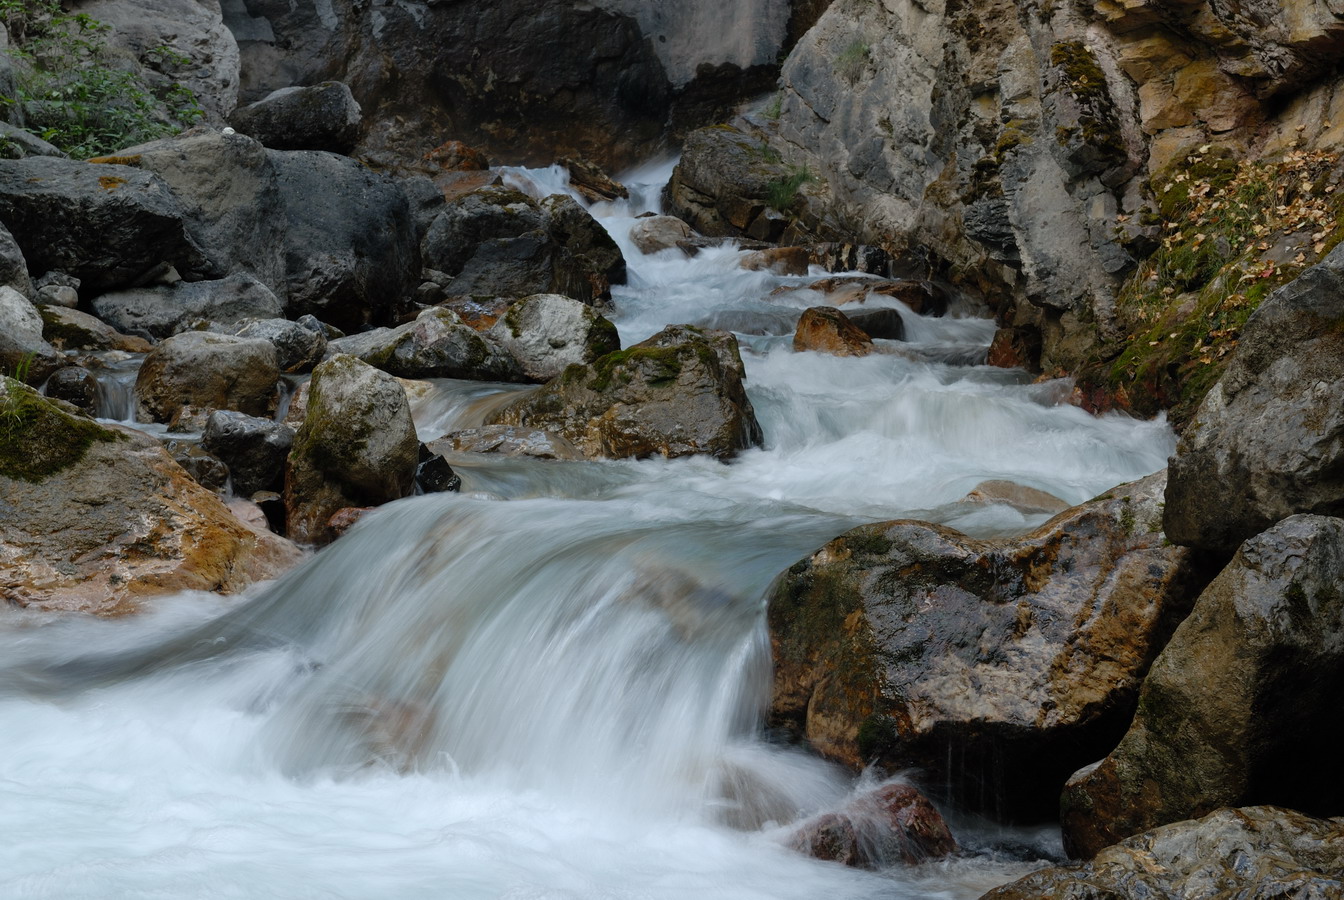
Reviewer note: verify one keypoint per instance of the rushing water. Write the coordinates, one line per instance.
(549, 686)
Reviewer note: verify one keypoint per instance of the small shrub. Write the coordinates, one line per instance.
(851, 61)
(783, 192)
(774, 108)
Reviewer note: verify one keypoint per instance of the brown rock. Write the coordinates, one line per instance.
(455, 156)
(587, 177)
(992, 665)
(1015, 348)
(780, 260)
(1019, 496)
(892, 825)
(343, 520)
(827, 330)
(207, 371)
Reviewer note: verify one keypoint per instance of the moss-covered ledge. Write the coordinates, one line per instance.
(38, 437)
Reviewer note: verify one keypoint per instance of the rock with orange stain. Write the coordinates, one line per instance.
(827, 330)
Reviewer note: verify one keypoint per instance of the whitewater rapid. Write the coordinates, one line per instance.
(551, 685)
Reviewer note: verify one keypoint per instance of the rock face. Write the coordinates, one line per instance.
(351, 252)
(995, 666)
(321, 117)
(678, 393)
(892, 825)
(207, 371)
(477, 73)
(109, 226)
(228, 188)
(94, 519)
(1256, 853)
(1234, 474)
(1241, 704)
(161, 311)
(356, 447)
(548, 332)
(436, 345)
(828, 330)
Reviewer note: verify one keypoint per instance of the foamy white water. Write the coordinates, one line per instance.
(550, 686)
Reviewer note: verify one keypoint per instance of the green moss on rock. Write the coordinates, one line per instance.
(39, 439)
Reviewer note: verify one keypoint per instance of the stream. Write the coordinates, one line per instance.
(552, 684)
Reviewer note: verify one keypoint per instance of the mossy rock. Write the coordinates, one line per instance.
(38, 437)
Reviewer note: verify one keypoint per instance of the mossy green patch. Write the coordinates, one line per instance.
(38, 439)
(1083, 78)
(662, 365)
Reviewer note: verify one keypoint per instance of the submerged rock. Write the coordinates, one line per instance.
(1241, 705)
(892, 825)
(996, 666)
(1253, 853)
(507, 440)
(96, 519)
(678, 393)
(356, 447)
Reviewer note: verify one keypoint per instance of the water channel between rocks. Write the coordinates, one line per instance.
(550, 686)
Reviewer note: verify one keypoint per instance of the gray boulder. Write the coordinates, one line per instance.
(506, 440)
(1268, 440)
(76, 386)
(1242, 703)
(1253, 853)
(436, 345)
(254, 449)
(22, 346)
(228, 188)
(578, 232)
(109, 226)
(547, 332)
(203, 371)
(13, 269)
(318, 117)
(351, 255)
(356, 447)
(164, 310)
(70, 329)
(298, 348)
(676, 394)
(473, 218)
(996, 666)
(654, 233)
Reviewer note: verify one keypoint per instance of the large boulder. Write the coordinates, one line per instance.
(1253, 853)
(109, 226)
(578, 232)
(317, 117)
(203, 370)
(298, 348)
(356, 447)
(23, 349)
(650, 234)
(228, 188)
(1268, 440)
(825, 329)
(70, 329)
(548, 332)
(997, 666)
(678, 393)
(96, 519)
(13, 269)
(160, 311)
(351, 254)
(436, 345)
(1241, 705)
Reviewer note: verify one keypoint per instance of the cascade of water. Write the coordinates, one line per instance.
(552, 693)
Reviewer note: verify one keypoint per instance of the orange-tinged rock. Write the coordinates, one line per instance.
(827, 330)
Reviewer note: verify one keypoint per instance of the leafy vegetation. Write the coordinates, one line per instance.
(73, 92)
(1230, 233)
(782, 192)
(851, 61)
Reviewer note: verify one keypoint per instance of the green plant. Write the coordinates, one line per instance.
(782, 192)
(849, 64)
(774, 108)
(75, 94)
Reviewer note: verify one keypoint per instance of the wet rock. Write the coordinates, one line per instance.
(574, 228)
(1255, 853)
(207, 371)
(229, 190)
(76, 386)
(892, 825)
(587, 177)
(343, 520)
(434, 476)
(834, 256)
(1027, 500)
(206, 470)
(996, 666)
(351, 249)
(356, 447)
(70, 329)
(318, 117)
(436, 345)
(298, 348)
(96, 519)
(654, 233)
(1015, 348)
(469, 220)
(164, 310)
(13, 268)
(254, 449)
(507, 440)
(455, 156)
(1240, 705)
(547, 332)
(883, 324)
(109, 226)
(678, 393)
(827, 330)
(780, 260)
(23, 349)
(1232, 476)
